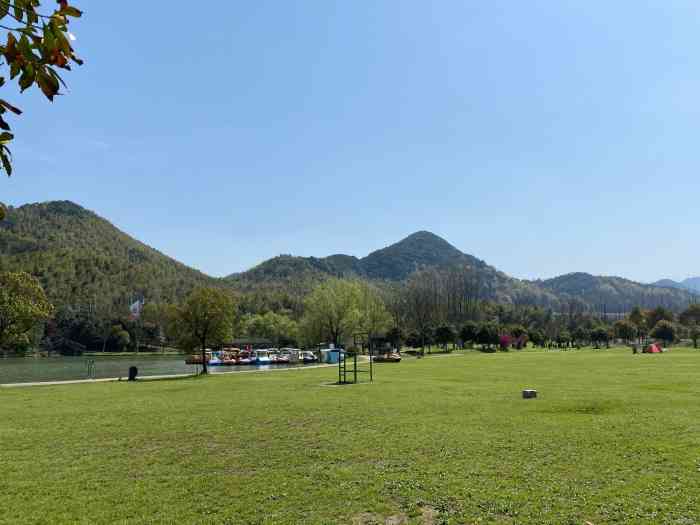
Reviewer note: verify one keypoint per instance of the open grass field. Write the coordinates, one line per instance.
(613, 438)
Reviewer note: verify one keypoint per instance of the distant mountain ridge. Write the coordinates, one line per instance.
(394, 263)
(80, 257)
(691, 283)
(424, 249)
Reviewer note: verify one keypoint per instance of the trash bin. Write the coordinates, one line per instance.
(133, 372)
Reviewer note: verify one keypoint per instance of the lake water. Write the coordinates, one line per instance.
(32, 369)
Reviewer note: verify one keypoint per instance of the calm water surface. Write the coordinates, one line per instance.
(32, 369)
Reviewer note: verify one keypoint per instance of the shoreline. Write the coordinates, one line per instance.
(155, 377)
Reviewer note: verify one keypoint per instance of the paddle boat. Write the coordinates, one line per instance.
(289, 355)
(387, 357)
(283, 358)
(262, 357)
(215, 359)
(245, 358)
(307, 356)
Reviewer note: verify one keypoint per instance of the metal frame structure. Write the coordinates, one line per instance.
(353, 370)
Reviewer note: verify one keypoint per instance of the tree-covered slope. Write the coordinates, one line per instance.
(83, 260)
(417, 251)
(615, 293)
(691, 284)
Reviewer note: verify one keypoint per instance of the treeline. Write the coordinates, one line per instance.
(433, 307)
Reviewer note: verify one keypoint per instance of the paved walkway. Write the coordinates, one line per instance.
(153, 378)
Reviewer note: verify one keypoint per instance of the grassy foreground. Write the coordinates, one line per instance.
(613, 438)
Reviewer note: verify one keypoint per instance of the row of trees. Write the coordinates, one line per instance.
(430, 308)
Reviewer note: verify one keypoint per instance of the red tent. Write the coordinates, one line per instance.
(652, 349)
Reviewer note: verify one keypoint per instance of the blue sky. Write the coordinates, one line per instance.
(543, 137)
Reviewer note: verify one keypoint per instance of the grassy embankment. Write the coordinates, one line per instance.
(613, 437)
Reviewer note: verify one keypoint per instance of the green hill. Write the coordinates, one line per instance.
(83, 260)
(615, 293)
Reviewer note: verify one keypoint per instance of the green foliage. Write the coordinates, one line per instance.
(444, 335)
(36, 45)
(278, 328)
(694, 334)
(664, 330)
(395, 336)
(600, 335)
(23, 304)
(625, 330)
(564, 338)
(616, 293)
(580, 335)
(206, 317)
(658, 314)
(120, 338)
(487, 335)
(691, 315)
(469, 332)
(86, 264)
(333, 310)
(637, 318)
(374, 317)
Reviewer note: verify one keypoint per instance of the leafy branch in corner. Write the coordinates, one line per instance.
(36, 46)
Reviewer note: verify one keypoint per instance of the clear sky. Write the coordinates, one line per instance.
(544, 137)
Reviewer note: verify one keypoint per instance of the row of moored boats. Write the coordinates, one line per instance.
(267, 356)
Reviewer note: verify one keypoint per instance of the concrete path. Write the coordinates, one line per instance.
(153, 378)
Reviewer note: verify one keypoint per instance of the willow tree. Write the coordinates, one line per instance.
(374, 319)
(23, 305)
(34, 44)
(333, 309)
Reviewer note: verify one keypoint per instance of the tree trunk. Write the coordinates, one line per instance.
(204, 359)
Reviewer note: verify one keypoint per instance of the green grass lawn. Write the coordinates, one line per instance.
(613, 438)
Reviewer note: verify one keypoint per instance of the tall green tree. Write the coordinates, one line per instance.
(273, 326)
(664, 330)
(23, 304)
(444, 335)
(658, 314)
(333, 310)
(600, 335)
(375, 319)
(469, 332)
(691, 315)
(638, 319)
(206, 317)
(624, 330)
(487, 335)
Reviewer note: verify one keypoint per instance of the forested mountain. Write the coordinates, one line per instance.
(691, 284)
(83, 261)
(615, 294)
(425, 250)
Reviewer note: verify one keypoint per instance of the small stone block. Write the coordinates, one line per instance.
(529, 394)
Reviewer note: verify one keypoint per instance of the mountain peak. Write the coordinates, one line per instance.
(425, 236)
(421, 249)
(58, 208)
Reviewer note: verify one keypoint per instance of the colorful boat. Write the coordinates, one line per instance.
(215, 359)
(307, 356)
(388, 357)
(245, 358)
(262, 357)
